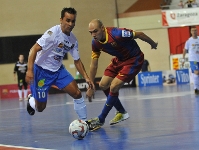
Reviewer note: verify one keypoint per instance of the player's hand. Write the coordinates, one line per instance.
(90, 94)
(29, 77)
(154, 45)
(91, 90)
(91, 85)
(182, 64)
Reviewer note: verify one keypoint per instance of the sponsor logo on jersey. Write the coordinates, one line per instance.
(58, 58)
(120, 75)
(61, 45)
(50, 33)
(114, 44)
(195, 44)
(68, 45)
(41, 83)
(126, 33)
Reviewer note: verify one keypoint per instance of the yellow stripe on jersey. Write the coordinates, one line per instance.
(95, 55)
(106, 37)
(133, 33)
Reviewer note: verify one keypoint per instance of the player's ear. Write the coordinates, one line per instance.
(60, 20)
(103, 28)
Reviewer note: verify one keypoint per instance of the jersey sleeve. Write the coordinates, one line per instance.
(186, 46)
(124, 33)
(95, 51)
(47, 40)
(75, 52)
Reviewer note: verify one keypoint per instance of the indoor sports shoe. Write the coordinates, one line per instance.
(20, 99)
(196, 91)
(30, 110)
(94, 124)
(119, 117)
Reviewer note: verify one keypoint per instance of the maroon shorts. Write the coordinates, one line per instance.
(125, 70)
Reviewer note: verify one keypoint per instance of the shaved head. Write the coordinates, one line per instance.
(96, 22)
(97, 30)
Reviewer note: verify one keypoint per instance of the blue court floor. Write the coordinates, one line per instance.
(161, 118)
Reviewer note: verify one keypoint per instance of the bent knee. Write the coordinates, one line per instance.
(114, 88)
(40, 108)
(77, 94)
(103, 86)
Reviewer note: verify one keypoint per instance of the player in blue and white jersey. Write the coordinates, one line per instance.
(192, 46)
(45, 66)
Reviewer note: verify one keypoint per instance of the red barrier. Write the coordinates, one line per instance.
(9, 91)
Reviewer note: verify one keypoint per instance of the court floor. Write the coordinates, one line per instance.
(161, 118)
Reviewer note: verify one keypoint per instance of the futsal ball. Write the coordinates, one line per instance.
(78, 129)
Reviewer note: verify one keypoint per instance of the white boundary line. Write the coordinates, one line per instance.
(24, 147)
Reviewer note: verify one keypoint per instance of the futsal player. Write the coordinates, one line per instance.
(127, 63)
(192, 47)
(45, 66)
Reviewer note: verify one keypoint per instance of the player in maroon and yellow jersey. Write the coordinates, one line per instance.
(127, 63)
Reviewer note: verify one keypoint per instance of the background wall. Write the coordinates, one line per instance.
(150, 23)
(24, 17)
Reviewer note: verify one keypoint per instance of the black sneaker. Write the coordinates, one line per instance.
(94, 124)
(30, 110)
(196, 91)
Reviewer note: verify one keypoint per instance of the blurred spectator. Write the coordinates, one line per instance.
(165, 4)
(145, 66)
(20, 69)
(191, 3)
(181, 5)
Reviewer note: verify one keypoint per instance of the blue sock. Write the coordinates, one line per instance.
(118, 106)
(112, 98)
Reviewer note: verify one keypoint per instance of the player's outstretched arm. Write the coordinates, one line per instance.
(80, 68)
(147, 39)
(31, 59)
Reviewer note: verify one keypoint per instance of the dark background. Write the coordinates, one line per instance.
(12, 47)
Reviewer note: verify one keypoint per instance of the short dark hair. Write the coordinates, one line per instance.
(192, 27)
(69, 10)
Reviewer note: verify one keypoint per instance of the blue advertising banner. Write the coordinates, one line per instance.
(182, 76)
(150, 78)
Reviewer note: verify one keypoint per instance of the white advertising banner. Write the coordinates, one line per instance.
(180, 17)
(176, 64)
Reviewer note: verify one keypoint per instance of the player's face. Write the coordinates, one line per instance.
(96, 32)
(194, 32)
(68, 23)
(21, 58)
